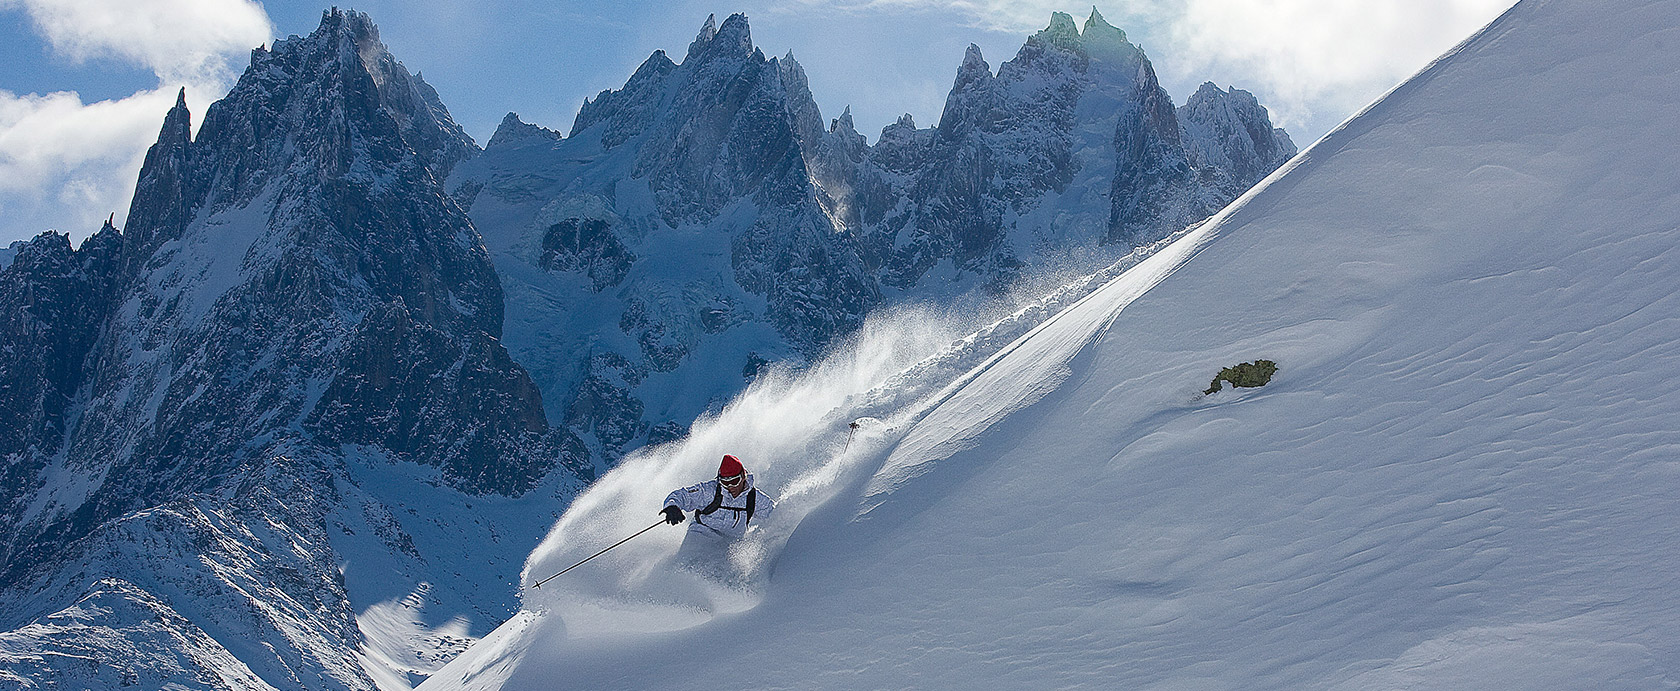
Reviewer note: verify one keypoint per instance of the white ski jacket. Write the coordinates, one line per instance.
(730, 518)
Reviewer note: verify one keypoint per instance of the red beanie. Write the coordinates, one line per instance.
(730, 467)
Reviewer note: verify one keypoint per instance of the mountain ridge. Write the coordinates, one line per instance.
(294, 424)
(1016, 178)
(292, 288)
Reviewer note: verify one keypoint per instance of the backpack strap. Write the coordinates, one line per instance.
(717, 504)
(717, 501)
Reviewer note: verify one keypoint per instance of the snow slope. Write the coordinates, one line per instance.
(1464, 474)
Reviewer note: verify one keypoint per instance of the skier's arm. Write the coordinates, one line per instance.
(688, 498)
(764, 506)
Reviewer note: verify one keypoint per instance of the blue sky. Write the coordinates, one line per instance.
(84, 84)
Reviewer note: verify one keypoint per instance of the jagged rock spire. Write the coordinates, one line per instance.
(730, 41)
(177, 125)
(513, 129)
(1153, 168)
(1099, 33)
(972, 69)
(844, 122)
(1062, 31)
(734, 35)
(1230, 138)
(704, 38)
(163, 199)
(626, 109)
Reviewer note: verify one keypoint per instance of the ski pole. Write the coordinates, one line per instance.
(849, 438)
(597, 554)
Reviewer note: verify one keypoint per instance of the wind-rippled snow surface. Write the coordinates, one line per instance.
(1464, 474)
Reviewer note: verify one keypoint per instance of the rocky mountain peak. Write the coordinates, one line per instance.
(349, 23)
(726, 115)
(512, 129)
(1062, 32)
(843, 123)
(177, 124)
(627, 110)
(843, 132)
(309, 201)
(704, 38)
(50, 248)
(734, 35)
(1056, 52)
(1230, 138)
(294, 285)
(343, 66)
(732, 39)
(801, 105)
(972, 70)
(901, 148)
(654, 68)
(969, 103)
(1154, 186)
(1100, 37)
(164, 198)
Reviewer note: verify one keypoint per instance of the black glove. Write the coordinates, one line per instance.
(673, 515)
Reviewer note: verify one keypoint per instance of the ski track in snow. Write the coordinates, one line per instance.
(1462, 476)
(796, 421)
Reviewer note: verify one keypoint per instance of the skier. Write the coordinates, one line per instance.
(723, 507)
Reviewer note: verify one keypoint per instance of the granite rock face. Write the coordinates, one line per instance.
(696, 202)
(291, 284)
(587, 245)
(1154, 188)
(1230, 140)
(54, 301)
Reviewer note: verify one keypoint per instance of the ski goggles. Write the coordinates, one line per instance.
(732, 480)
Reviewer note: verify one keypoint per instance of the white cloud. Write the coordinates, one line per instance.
(1318, 58)
(180, 40)
(1312, 62)
(66, 164)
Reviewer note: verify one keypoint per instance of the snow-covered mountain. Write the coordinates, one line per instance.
(700, 222)
(267, 434)
(205, 415)
(1462, 474)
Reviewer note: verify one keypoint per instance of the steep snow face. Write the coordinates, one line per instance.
(212, 591)
(1461, 475)
(123, 636)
